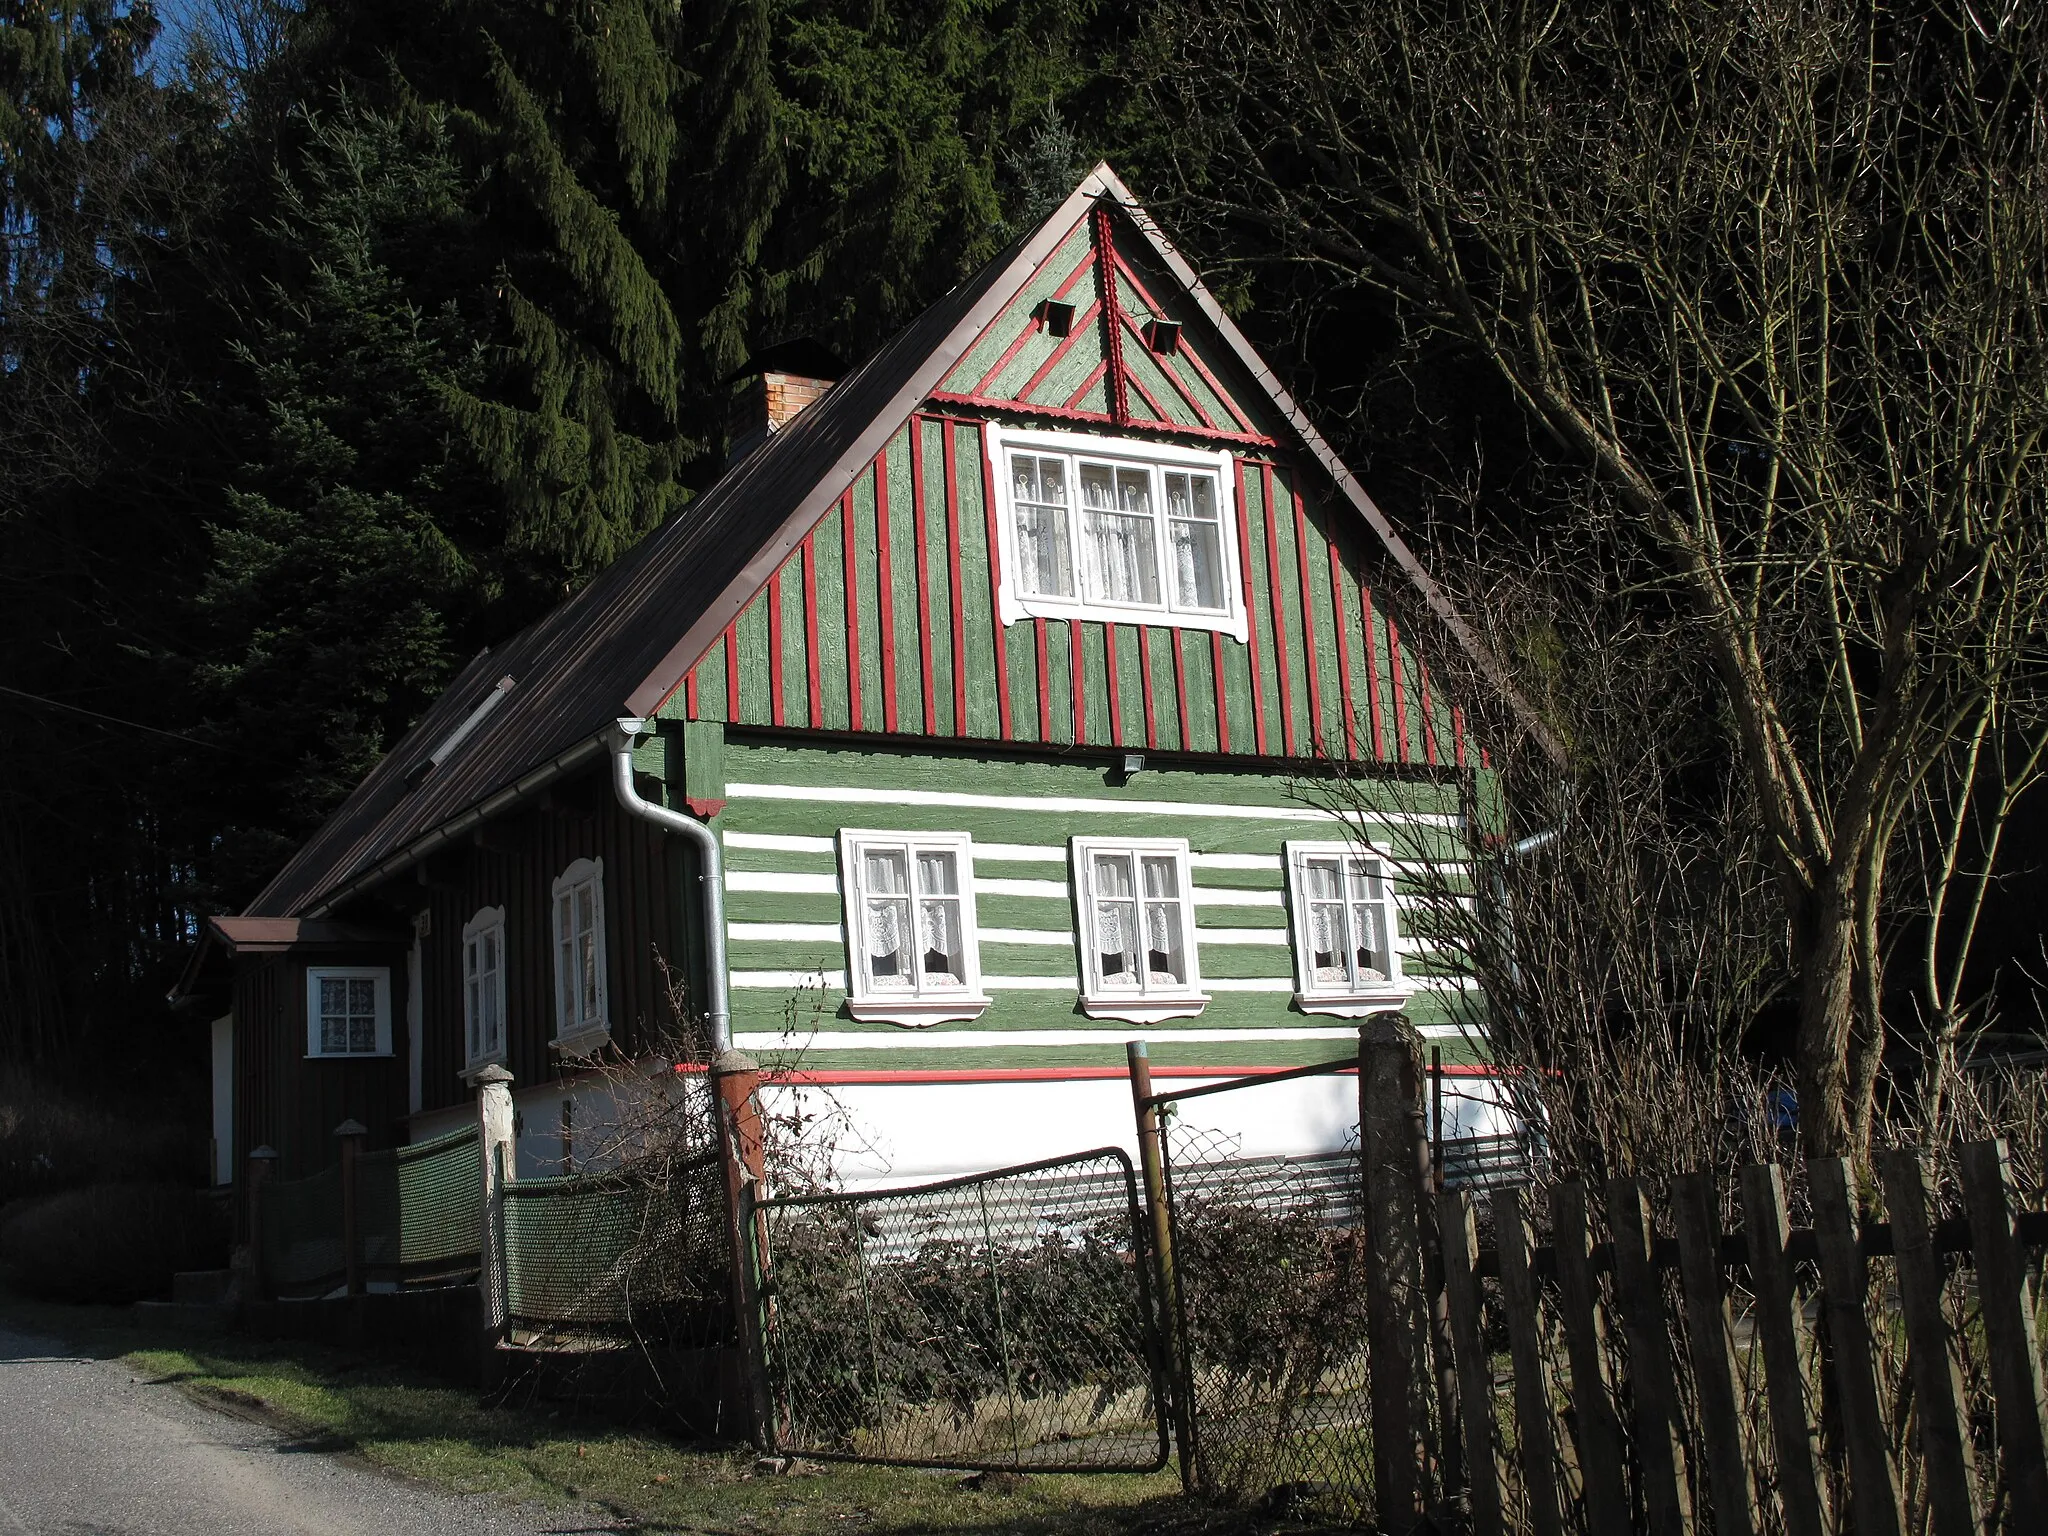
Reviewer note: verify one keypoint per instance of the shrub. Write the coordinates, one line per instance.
(52, 1140)
(111, 1242)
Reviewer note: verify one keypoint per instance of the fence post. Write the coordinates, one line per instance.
(262, 1164)
(735, 1076)
(1152, 1168)
(2007, 1301)
(1767, 1230)
(494, 1141)
(1389, 1107)
(350, 1134)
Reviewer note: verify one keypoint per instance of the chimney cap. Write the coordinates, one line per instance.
(805, 356)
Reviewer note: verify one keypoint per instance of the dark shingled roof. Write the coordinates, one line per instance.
(620, 645)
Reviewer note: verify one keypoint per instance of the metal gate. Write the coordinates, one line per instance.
(1003, 1320)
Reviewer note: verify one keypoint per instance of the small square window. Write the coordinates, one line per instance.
(1347, 958)
(348, 1011)
(483, 987)
(912, 944)
(1136, 901)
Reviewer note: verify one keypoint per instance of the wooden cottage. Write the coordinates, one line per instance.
(997, 668)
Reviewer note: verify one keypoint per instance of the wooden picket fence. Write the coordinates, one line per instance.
(1880, 1378)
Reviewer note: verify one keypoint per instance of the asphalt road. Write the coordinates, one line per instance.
(87, 1449)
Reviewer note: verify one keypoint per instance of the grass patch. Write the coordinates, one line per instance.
(417, 1426)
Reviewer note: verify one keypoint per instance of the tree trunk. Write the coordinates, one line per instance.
(1825, 950)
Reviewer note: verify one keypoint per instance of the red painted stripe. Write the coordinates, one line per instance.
(1116, 705)
(1279, 611)
(956, 590)
(997, 319)
(852, 578)
(690, 695)
(1063, 413)
(775, 647)
(1044, 683)
(1112, 316)
(1094, 378)
(995, 586)
(882, 1077)
(1372, 672)
(732, 671)
(1428, 722)
(1077, 670)
(924, 578)
(1166, 369)
(1180, 687)
(1310, 667)
(1193, 356)
(1029, 328)
(1251, 631)
(1458, 734)
(1159, 412)
(886, 591)
(816, 682)
(1053, 359)
(1342, 623)
(1485, 758)
(1222, 697)
(1394, 670)
(1145, 679)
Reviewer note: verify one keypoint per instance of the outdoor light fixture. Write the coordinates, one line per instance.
(1128, 767)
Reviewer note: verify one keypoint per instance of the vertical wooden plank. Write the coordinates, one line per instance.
(956, 588)
(1005, 720)
(1946, 1451)
(1251, 617)
(1535, 1404)
(732, 673)
(1372, 672)
(1045, 686)
(927, 616)
(1428, 714)
(1221, 689)
(775, 701)
(1460, 1234)
(1397, 666)
(1852, 1352)
(2005, 1294)
(1653, 1385)
(851, 583)
(885, 591)
(1311, 640)
(1146, 686)
(906, 601)
(1277, 608)
(1802, 1493)
(1578, 1305)
(1341, 622)
(1077, 674)
(814, 655)
(1724, 1432)
(1111, 684)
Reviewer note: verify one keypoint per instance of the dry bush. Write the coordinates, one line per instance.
(51, 1140)
(111, 1243)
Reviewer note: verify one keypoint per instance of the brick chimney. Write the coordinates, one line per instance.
(775, 386)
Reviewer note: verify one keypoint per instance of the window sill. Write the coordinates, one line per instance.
(917, 1012)
(348, 1055)
(1352, 1005)
(583, 1043)
(1016, 607)
(1144, 1010)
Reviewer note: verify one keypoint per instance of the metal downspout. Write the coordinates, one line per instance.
(718, 1007)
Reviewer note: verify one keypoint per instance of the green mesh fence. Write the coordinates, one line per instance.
(302, 1249)
(611, 1254)
(420, 1209)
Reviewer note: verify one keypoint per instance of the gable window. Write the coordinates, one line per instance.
(912, 947)
(348, 1010)
(581, 1021)
(1137, 929)
(483, 986)
(1113, 529)
(1346, 940)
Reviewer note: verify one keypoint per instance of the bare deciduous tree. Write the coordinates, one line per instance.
(1777, 274)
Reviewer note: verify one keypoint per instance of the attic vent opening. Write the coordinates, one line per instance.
(462, 732)
(1056, 316)
(1163, 337)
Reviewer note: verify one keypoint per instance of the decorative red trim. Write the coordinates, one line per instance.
(1172, 377)
(1342, 623)
(846, 543)
(775, 647)
(732, 671)
(1044, 682)
(1394, 671)
(1422, 702)
(956, 589)
(1112, 311)
(1095, 376)
(1372, 672)
(1160, 414)
(1279, 611)
(1052, 360)
(1458, 735)
(703, 807)
(1180, 688)
(1024, 334)
(1310, 669)
(1485, 758)
(815, 684)
(885, 582)
(1192, 355)
(1251, 623)
(1077, 671)
(690, 695)
(853, 1077)
(924, 578)
(1116, 704)
(1222, 695)
(1093, 418)
(1145, 681)
(1000, 315)
(995, 585)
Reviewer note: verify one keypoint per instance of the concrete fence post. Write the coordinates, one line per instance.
(261, 1165)
(350, 1134)
(1397, 1320)
(494, 1141)
(735, 1078)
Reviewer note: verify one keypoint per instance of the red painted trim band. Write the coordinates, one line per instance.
(1112, 311)
(1095, 418)
(1095, 377)
(732, 671)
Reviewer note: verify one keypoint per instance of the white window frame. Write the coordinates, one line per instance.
(477, 1051)
(926, 1003)
(1014, 604)
(576, 1033)
(1343, 1001)
(1146, 1005)
(381, 975)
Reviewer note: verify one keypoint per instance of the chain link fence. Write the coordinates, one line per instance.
(1002, 1320)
